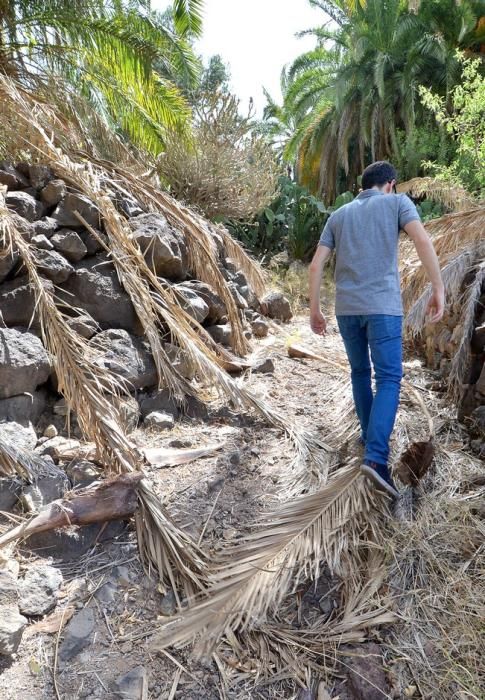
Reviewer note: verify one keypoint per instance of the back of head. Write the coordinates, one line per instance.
(378, 174)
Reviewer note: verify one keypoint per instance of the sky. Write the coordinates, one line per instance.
(256, 38)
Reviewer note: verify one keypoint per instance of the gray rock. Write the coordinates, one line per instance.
(42, 242)
(64, 212)
(23, 408)
(240, 301)
(10, 489)
(168, 604)
(39, 590)
(9, 591)
(45, 227)
(94, 287)
(276, 305)
(161, 421)
(24, 227)
(24, 363)
(24, 205)
(217, 308)
(158, 401)
(78, 634)
(132, 685)
(11, 177)
(82, 473)
(53, 192)
(127, 206)
(8, 260)
(69, 244)
(259, 328)
(125, 356)
(50, 432)
(477, 422)
(179, 360)
(192, 303)
(221, 334)
(17, 301)
(21, 435)
(70, 544)
(52, 265)
(92, 243)
(84, 325)
(45, 490)
(163, 247)
(12, 625)
(264, 366)
(39, 175)
(107, 593)
(56, 447)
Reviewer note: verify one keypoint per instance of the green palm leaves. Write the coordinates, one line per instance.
(120, 55)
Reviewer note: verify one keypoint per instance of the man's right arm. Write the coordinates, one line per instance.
(427, 254)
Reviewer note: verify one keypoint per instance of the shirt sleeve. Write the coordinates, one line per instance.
(327, 238)
(407, 211)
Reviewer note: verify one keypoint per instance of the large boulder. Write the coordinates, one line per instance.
(163, 247)
(24, 363)
(94, 287)
(276, 305)
(217, 308)
(72, 202)
(125, 356)
(8, 260)
(52, 265)
(69, 244)
(26, 206)
(17, 301)
(24, 408)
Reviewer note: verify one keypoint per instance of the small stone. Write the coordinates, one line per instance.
(161, 421)
(132, 685)
(72, 202)
(45, 227)
(159, 401)
(221, 334)
(24, 363)
(8, 260)
(276, 305)
(82, 473)
(39, 590)
(84, 325)
(107, 593)
(265, 366)
(39, 175)
(129, 412)
(9, 593)
(45, 490)
(42, 242)
(52, 265)
(10, 489)
(168, 604)
(12, 625)
(366, 678)
(50, 431)
(69, 244)
(259, 328)
(235, 458)
(78, 634)
(53, 192)
(57, 446)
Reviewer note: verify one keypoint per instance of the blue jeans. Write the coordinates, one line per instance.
(383, 336)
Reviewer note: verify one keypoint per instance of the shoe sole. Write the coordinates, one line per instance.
(380, 483)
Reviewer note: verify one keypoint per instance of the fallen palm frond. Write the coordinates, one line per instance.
(86, 387)
(16, 461)
(453, 197)
(252, 577)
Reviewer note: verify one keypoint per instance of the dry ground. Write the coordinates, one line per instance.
(433, 550)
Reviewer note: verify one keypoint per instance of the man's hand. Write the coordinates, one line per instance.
(318, 322)
(436, 306)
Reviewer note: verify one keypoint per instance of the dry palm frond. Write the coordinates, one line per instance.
(16, 461)
(253, 577)
(84, 385)
(453, 197)
(453, 274)
(243, 261)
(461, 359)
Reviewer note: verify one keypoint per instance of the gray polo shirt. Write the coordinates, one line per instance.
(365, 236)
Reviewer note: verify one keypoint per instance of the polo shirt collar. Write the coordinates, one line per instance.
(368, 193)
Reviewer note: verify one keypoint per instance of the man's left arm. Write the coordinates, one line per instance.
(318, 322)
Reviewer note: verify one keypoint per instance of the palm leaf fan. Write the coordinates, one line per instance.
(85, 387)
(253, 576)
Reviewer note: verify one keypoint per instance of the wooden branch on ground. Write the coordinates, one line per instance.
(113, 499)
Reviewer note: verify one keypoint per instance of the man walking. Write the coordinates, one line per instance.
(364, 235)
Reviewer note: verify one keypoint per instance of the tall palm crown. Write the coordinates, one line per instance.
(108, 51)
(359, 85)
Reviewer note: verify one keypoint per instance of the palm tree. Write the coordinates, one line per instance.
(107, 51)
(353, 93)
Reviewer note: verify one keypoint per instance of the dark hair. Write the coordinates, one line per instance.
(378, 173)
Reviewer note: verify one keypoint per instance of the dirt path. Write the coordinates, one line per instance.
(219, 498)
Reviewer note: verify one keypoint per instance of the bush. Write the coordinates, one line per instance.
(227, 170)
